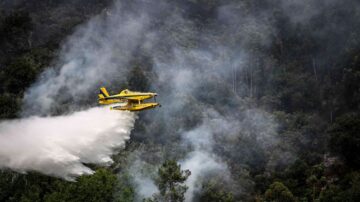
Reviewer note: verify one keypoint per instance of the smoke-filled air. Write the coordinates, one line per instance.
(259, 100)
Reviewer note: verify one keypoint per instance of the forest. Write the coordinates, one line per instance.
(260, 98)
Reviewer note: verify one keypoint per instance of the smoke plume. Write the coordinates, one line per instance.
(203, 59)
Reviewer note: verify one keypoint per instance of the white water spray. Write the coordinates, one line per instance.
(59, 146)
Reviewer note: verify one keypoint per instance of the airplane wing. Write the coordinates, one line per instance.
(126, 97)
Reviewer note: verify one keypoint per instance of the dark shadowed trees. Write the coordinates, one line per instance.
(345, 138)
(279, 192)
(170, 182)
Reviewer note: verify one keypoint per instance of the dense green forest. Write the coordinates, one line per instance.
(300, 84)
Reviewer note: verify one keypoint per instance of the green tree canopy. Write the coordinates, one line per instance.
(345, 138)
(279, 192)
(98, 187)
(170, 182)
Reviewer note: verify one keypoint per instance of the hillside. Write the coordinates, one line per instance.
(260, 99)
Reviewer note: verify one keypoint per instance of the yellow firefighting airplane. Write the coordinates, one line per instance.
(130, 100)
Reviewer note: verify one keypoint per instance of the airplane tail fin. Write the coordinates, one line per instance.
(101, 96)
(103, 93)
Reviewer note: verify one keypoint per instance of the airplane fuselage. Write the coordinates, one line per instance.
(133, 100)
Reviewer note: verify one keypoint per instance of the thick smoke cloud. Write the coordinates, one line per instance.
(197, 63)
(96, 55)
(198, 69)
(195, 68)
(59, 146)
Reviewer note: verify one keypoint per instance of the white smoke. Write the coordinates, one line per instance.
(96, 54)
(256, 124)
(59, 146)
(143, 178)
(200, 163)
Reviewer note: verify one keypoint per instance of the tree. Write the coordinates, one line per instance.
(351, 84)
(331, 194)
(124, 190)
(345, 138)
(170, 182)
(23, 72)
(279, 192)
(97, 187)
(15, 32)
(348, 190)
(213, 193)
(9, 106)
